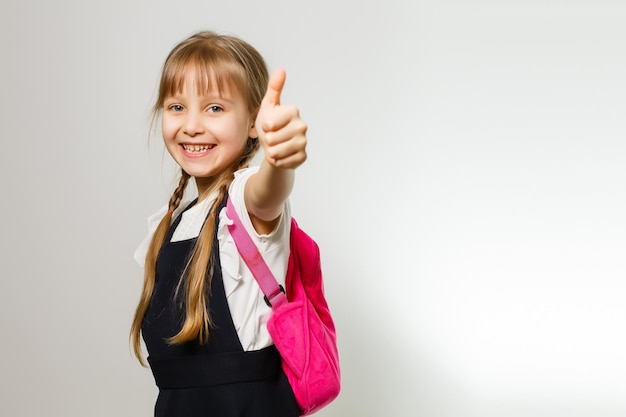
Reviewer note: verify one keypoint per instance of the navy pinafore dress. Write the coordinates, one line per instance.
(217, 379)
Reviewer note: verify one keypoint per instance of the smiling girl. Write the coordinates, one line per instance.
(201, 313)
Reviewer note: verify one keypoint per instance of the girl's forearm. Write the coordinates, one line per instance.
(267, 190)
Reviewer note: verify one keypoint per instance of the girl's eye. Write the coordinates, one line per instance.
(176, 107)
(215, 109)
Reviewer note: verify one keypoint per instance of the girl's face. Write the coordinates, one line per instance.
(206, 132)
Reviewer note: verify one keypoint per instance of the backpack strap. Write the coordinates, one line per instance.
(274, 293)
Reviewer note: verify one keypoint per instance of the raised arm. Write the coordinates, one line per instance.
(282, 135)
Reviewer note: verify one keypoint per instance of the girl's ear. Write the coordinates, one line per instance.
(252, 133)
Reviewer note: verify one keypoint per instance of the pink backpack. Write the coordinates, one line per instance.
(301, 325)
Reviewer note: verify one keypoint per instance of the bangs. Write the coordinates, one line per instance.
(207, 70)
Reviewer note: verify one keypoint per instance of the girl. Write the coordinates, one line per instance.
(201, 313)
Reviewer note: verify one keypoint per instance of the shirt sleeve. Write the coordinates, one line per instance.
(153, 223)
(236, 193)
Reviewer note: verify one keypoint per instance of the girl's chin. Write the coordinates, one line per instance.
(199, 173)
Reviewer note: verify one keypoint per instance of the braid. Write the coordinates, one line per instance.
(196, 279)
(150, 265)
(177, 196)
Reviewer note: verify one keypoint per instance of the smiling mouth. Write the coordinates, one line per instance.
(197, 148)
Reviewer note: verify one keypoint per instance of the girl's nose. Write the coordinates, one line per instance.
(193, 124)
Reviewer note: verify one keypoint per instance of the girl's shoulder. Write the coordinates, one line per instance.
(241, 176)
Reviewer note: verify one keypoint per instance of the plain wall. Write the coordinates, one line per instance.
(466, 183)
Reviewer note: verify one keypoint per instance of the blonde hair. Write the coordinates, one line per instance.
(226, 61)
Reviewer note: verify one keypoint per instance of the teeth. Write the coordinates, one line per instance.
(197, 148)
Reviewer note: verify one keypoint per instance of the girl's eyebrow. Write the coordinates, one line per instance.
(211, 96)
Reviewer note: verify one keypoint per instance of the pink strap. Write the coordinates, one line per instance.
(274, 293)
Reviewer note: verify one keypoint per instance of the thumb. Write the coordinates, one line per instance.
(275, 87)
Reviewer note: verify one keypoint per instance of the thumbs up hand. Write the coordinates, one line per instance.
(282, 133)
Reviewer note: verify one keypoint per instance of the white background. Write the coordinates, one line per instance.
(466, 182)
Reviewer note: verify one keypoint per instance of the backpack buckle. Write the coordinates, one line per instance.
(267, 300)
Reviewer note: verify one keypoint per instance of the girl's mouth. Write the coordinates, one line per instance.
(196, 148)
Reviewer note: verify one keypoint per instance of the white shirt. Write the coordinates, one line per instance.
(245, 299)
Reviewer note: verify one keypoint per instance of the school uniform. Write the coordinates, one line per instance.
(238, 372)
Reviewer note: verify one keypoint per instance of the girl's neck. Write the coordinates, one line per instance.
(205, 187)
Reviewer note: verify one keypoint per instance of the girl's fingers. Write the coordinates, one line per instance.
(286, 153)
(279, 117)
(292, 129)
(285, 158)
